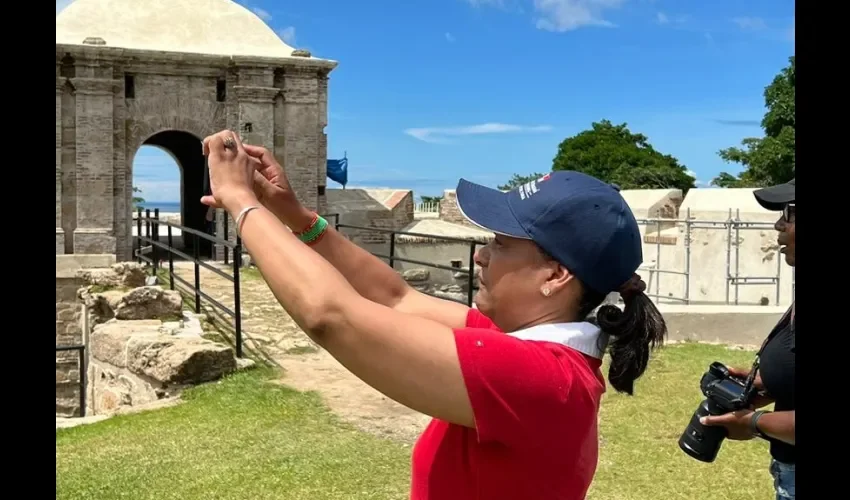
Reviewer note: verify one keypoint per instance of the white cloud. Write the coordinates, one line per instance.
(750, 23)
(288, 35)
(449, 37)
(441, 134)
(559, 15)
(61, 4)
(262, 13)
(676, 20)
(567, 15)
(697, 182)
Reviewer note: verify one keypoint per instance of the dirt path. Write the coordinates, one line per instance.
(270, 333)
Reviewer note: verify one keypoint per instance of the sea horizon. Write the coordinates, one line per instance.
(163, 206)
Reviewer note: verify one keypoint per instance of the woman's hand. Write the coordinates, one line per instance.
(737, 423)
(273, 189)
(760, 400)
(232, 171)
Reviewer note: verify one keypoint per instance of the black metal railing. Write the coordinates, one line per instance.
(392, 258)
(151, 237)
(81, 350)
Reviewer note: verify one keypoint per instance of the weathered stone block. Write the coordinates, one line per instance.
(146, 302)
(140, 347)
(149, 302)
(174, 360)
(93, 241)
(60, 241)
(121, 274)
(108, 341)
(416, 275)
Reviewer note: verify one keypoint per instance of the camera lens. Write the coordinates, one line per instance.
(699, 441)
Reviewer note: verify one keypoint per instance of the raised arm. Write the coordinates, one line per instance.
(411, 360)
(368, 275)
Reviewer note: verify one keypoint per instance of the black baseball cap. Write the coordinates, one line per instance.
(581, 221)
(774, 198)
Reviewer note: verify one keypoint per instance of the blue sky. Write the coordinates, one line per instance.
(428, 91)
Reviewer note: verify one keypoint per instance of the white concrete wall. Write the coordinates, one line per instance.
(753, 252)
(666, 259)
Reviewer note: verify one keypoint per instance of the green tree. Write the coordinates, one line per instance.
(518, 180)
(616, 155)
(431, 199)
(137, 200)
(771, 159)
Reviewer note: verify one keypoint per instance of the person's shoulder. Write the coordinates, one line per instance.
(584, 369)
(476, 319)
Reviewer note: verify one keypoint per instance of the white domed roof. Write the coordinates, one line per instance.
(218, 27)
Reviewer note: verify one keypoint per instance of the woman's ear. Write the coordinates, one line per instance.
(559, 278)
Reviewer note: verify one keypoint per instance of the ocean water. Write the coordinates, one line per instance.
(163, 206)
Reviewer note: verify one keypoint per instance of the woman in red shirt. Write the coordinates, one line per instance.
(513, 386)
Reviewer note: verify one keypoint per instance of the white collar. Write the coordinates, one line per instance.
(584, 337)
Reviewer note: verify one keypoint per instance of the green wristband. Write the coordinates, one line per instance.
(315, 231)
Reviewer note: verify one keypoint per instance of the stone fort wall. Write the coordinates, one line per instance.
(109, 101)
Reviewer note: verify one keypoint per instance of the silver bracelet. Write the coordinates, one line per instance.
(754, 424)
(242, 216)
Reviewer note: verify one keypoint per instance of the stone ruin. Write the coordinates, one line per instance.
(141, 345)
(420, 279)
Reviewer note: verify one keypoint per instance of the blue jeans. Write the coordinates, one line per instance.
(783, 479)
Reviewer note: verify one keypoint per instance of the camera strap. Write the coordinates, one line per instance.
(786, 321)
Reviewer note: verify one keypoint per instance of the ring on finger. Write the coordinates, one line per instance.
(229, 143)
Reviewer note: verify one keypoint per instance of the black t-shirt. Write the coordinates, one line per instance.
(778, 375)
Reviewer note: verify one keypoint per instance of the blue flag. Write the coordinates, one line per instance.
(338, 171)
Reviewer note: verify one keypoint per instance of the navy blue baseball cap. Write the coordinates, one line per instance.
(582, 222)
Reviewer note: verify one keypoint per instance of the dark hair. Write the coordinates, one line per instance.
(634, 331)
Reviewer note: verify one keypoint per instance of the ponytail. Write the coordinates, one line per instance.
(634, 331)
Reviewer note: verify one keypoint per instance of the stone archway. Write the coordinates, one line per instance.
(103, 117)
(176, 124)
(185, 148)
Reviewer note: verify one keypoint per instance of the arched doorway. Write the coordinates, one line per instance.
(187, 152)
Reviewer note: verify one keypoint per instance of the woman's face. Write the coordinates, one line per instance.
(513, 274)
(785, 227)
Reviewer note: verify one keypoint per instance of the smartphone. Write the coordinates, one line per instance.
(207, 187)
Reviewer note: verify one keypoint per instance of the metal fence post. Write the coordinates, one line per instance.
(737, 251)
(687, 295)
(237, 299)
(147, 227)
(728, 253)
(139, 235)
(195, 256)
(470, 293)
(392, 250)
(658, 256)
(170, 259)
(154, 246)
(226, 237)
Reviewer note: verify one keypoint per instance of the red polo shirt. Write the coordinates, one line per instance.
(535, 404)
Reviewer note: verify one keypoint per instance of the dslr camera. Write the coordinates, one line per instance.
(723, 394)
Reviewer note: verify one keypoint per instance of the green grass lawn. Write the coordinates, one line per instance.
(640, 457)
(246, 438)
